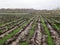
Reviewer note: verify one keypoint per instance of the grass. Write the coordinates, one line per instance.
(49, 38)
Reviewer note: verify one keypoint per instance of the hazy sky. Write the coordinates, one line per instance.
(36, 4)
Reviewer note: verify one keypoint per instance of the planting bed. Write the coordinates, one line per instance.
(29, 29)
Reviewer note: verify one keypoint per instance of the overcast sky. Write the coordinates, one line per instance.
(36, 4)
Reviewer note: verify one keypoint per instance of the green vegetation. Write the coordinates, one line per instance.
(11, 18)
(49, 38)
(13, 33)
(31, 32)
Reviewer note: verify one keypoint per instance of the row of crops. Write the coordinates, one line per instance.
(29, 30)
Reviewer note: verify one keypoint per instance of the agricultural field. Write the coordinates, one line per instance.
(29, 29)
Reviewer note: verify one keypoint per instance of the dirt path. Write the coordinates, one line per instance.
(22, 35)
(36, 39)
(54, 35)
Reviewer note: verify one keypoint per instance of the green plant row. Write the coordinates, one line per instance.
(31, 32)
(7, 27)
(49, 38)
(13, 33)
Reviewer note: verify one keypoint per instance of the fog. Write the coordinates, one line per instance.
(36, 4)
